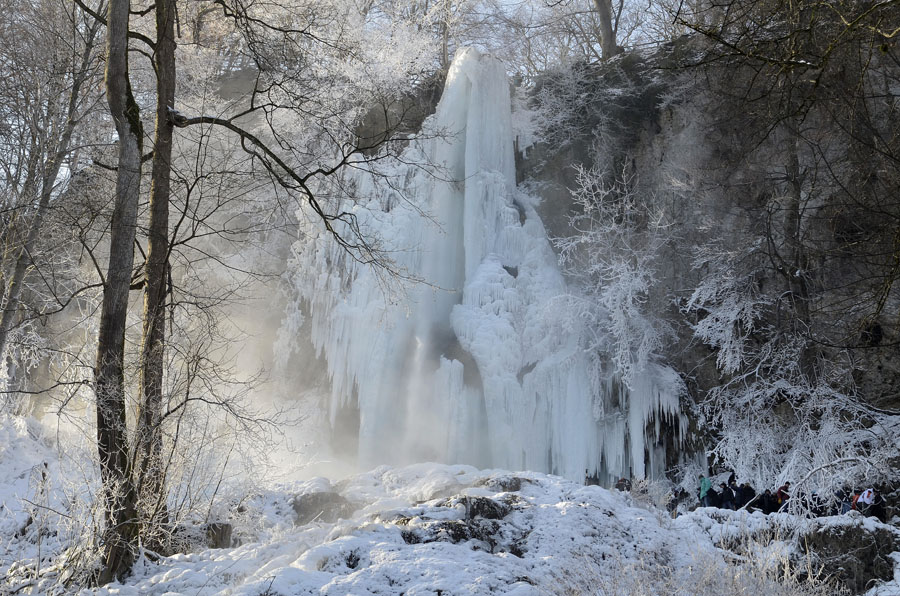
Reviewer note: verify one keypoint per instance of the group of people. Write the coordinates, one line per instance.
(868, 502)
(733, 496)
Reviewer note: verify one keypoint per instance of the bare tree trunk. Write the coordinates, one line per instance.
(112, 441)
(151, 474)
(608, 45)
(12, 232)
(445, 46)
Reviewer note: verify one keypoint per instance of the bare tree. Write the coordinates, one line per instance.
(608, 27)
(44, 105)
(149, 441)
(112, 440)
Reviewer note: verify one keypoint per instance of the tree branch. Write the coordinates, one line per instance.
(132, 34)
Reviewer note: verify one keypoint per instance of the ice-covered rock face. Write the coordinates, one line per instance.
(481, 363)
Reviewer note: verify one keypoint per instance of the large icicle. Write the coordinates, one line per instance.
(480, 364)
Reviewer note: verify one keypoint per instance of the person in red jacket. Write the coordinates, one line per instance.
(783, 494)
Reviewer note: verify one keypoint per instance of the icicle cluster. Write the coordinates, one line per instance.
(478, 365)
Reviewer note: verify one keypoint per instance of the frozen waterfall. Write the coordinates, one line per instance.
(480, 363)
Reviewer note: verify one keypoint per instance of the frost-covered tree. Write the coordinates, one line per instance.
(784, 204)
(614, 254)
(771, 420)
(50, 71)
(534, 37)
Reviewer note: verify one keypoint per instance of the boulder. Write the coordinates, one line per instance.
(321, 506)
(507, 484)
(854, 550)
(218, 535)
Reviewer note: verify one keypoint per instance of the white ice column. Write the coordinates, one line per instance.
(480, 362)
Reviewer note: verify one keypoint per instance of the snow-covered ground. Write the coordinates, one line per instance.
(420, 529)
(429, 529)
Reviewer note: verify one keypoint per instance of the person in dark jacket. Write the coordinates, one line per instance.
(767, 502)
(876, 509)
(715, 498)
(748, 495)
(842, 501)
(736, 491)
(818, 506)
(726, 496)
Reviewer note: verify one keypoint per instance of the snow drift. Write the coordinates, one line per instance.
(453, 530)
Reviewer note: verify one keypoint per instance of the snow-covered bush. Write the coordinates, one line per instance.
(51, 520)
(762, 570)
(775, 415)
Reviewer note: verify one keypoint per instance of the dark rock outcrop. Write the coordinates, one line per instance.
(482, 522)
(323, 506)
(218, 535)
(507, 484)
(856, 553)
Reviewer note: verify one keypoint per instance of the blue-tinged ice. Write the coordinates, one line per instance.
(481, 362)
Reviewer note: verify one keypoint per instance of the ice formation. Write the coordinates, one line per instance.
(481, 363)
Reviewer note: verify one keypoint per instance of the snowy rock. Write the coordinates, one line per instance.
(503, 483)
(480, 523)
(321, 507)
(480, 537)
(857, 551)
(482, 507)
(218, 535)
